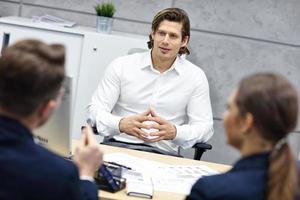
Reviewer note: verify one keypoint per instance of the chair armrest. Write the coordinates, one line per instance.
(200, 148)
(202, 145)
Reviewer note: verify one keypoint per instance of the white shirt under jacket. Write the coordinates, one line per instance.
(131, 85)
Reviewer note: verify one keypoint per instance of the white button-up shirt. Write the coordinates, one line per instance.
(131, 85)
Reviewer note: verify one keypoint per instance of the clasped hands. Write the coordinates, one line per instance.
(135, 125)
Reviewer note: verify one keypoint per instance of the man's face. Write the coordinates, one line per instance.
(167, 40)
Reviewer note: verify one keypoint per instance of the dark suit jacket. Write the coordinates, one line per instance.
(28, 171)
(245, 181)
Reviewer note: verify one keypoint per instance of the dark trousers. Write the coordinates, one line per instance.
(139, 147)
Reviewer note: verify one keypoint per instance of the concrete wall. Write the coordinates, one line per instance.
(230, 39)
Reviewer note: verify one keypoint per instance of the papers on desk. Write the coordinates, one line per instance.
(137, 164)
(179, 178)
(167, 178)
(138, 180)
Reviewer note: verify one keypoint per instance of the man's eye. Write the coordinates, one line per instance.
(173, 36)
(161, 33)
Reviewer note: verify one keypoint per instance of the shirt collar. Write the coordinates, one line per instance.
(146, 62)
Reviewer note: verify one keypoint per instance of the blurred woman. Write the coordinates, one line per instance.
(260, 114)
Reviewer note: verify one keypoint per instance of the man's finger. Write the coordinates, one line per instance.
(156, 139)
(153, 114)
(158, 120)
(146, 139)
(142, 118)
(136, 134)
(155, 126)
(159, 133)
(83, 138)
(89, 135)
(140, 132)
(142, 125)
(146, 112)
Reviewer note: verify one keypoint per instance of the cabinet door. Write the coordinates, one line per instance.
(72, 41)
(98, 51)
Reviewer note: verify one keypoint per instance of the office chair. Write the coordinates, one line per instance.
(199, 148)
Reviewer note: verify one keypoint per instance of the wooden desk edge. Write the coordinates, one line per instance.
(103, 195)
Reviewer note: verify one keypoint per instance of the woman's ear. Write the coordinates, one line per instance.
(247, 123)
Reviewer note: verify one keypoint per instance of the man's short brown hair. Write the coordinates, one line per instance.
(173, 15)
(31, 73)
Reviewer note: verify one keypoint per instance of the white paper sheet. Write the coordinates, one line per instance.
(138, 164)
(167, 178)
(140, 186)
(179, 178)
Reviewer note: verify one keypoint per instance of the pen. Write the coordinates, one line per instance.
(119, 165)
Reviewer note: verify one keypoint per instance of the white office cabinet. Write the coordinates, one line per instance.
(72, 42)
(88, 54)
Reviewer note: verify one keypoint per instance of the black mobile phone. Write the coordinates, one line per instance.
(109, 178)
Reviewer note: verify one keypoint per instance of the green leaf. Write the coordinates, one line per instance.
(105, 9)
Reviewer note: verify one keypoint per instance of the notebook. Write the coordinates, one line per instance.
(139, 185)
(55, 134)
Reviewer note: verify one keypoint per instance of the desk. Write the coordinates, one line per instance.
(121, 195)
(157, 195)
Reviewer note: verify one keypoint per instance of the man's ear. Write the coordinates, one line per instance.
(185, 41)
(47, 108)
(152, 34)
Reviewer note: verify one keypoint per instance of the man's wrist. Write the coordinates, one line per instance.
(120, 126)
(87, 178)
(175, 132)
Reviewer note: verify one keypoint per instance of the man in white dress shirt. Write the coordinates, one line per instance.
(159, 86)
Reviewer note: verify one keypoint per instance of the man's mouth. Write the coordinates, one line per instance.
(164, 50)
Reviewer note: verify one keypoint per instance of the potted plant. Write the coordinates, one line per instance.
(105, 12)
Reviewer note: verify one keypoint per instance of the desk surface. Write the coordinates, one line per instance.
(157, 195)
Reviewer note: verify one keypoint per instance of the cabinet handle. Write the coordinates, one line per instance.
(5, 41)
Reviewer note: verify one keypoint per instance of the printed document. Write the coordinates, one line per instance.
(164, 177)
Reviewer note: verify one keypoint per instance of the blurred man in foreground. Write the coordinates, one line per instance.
(31, 76)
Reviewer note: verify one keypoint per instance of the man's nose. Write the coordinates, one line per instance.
(166, 39)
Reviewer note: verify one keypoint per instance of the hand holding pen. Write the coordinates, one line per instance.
(88, 156)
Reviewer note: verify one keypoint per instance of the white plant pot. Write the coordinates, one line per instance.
(104, 24)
